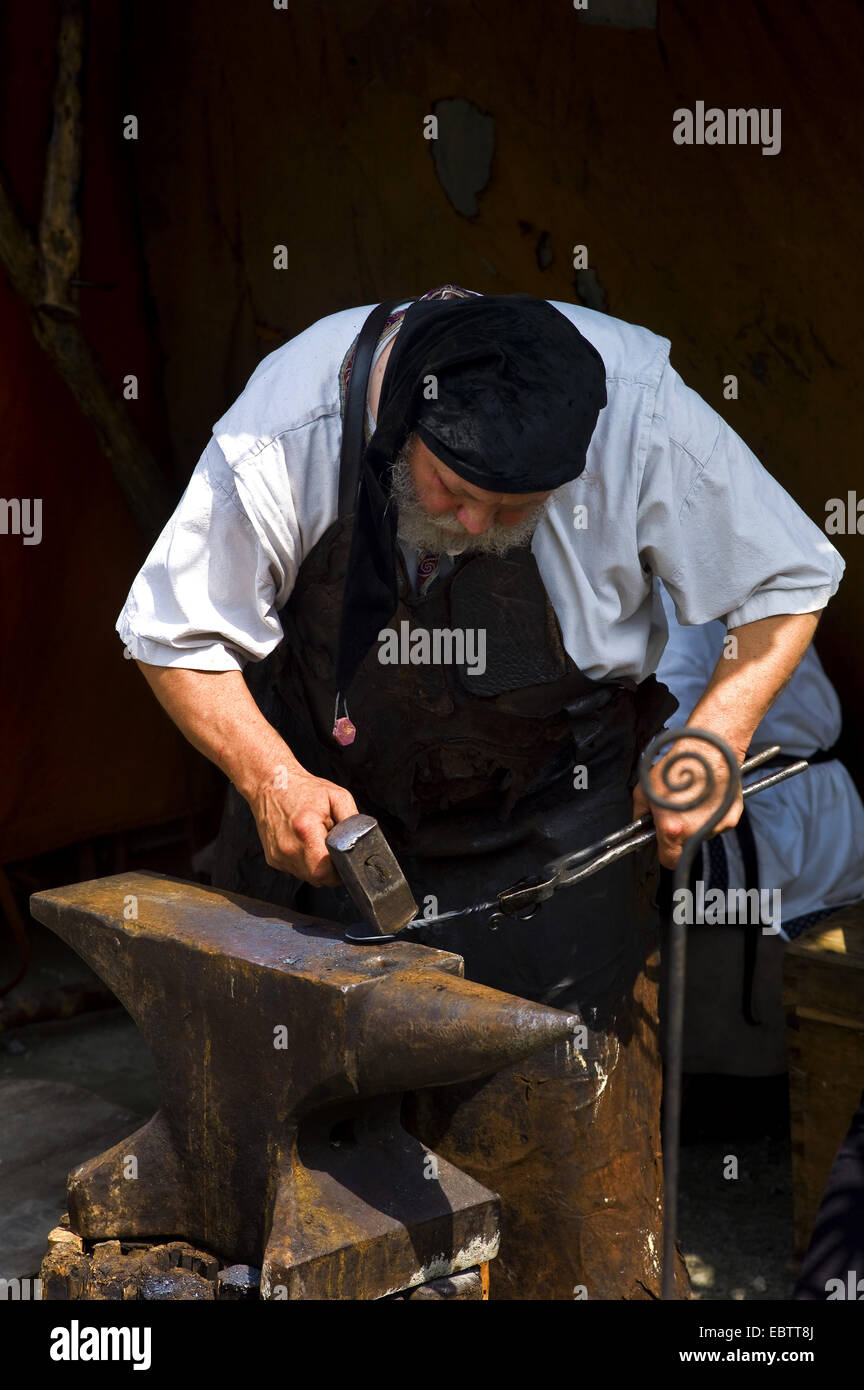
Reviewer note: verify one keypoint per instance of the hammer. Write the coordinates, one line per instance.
(371, 873)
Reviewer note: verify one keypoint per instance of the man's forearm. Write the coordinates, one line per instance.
(216, 712)
(746, 681)
(293, 809)
(741, 690)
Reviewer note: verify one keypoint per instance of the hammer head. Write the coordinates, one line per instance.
(371, 873)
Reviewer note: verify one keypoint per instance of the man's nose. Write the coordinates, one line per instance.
(476, 517)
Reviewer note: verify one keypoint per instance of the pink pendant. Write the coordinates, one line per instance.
(344, 731)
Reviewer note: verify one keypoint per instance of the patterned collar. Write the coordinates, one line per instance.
(394, 322)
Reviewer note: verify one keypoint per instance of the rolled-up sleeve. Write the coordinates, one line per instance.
(205, 597)
(726, 539)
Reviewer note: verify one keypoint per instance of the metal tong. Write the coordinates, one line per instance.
(522, 899)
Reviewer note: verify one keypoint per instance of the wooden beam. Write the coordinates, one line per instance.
(41, 277)
(60, 228)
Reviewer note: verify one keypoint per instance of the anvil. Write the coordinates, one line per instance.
(282, 1053)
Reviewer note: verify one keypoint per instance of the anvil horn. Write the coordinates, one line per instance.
(441, 1028)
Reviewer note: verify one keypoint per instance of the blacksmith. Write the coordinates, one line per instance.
(529, 467)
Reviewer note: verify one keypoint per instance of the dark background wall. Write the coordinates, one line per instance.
(84, 750)
(304, 127)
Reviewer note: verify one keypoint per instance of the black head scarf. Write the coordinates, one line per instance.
(504, 390)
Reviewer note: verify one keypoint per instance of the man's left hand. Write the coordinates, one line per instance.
(674, 827)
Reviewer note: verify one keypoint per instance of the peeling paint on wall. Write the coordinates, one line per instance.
(544, 251)
(591, 293)
(463, 152)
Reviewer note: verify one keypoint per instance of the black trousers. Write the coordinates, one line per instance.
(836, 1248)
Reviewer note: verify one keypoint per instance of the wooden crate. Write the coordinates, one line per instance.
(823, 991)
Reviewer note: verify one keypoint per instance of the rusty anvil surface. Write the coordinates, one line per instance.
(282, 1053)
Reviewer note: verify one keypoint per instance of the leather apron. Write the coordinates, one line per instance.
(471, 775)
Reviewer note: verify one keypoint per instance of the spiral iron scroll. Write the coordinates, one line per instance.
(678, 936)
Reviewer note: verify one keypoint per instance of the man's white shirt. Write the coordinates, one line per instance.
(668, 490)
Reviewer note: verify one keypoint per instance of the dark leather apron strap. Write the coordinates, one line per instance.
(750, 858)
(355, 405)
(820, 755)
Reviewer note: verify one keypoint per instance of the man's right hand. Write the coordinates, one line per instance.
(293, 812)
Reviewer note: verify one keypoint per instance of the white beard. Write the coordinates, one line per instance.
(446, 534)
